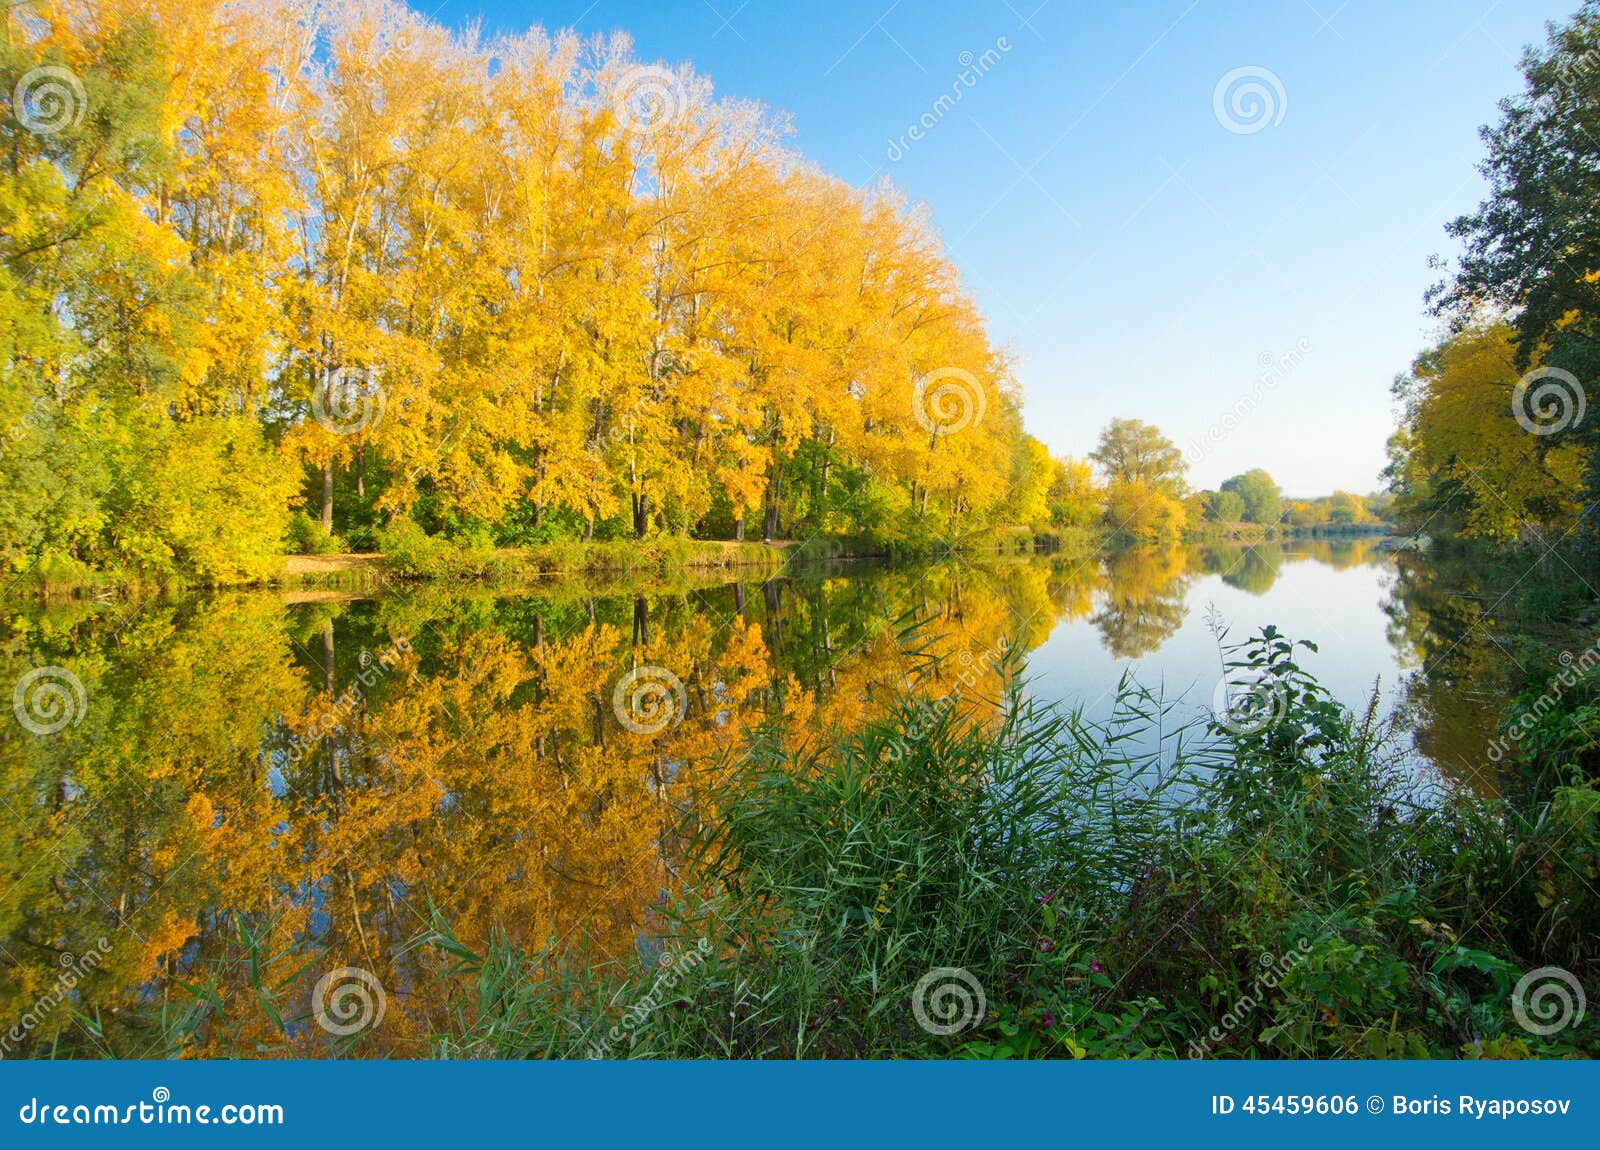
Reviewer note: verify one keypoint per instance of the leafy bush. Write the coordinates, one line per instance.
(308, 537)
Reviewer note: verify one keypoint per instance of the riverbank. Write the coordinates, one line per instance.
(421, 557)
(408, 554)
(1259, 532)
(426, 559)
(416, 558)
(433, 559)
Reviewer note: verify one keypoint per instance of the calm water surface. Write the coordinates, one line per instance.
(251, 790)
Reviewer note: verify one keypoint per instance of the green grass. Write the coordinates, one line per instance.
(1138, 888)
(409, 553)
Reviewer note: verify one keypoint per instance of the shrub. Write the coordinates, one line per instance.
(308, 537)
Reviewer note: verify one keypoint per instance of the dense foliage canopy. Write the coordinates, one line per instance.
(263, 255)
(1494, 439)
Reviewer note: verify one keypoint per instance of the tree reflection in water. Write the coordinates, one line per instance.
(260, 790)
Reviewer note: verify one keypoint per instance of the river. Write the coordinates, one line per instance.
(219, 797)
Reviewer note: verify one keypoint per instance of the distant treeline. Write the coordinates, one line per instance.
(1134, 485)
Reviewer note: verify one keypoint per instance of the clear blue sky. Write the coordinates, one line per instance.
(1139, 258)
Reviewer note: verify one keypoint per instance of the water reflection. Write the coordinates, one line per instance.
(1448, 621)
(260, 790)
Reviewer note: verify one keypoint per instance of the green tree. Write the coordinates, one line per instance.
(1131, 449)
(1460, 459)
(1074, 498)
(1263, 502)
(1224, 506)
(1533, 247)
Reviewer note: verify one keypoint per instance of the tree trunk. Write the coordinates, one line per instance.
(772, 592)
(361, 472)
(738, 529)
(770, 525)
(329, 745)
(641, 515)
(327, 497)
(827, 476)
(327, 656)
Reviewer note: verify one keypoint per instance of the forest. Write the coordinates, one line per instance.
(278, 277)
(278, 268)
